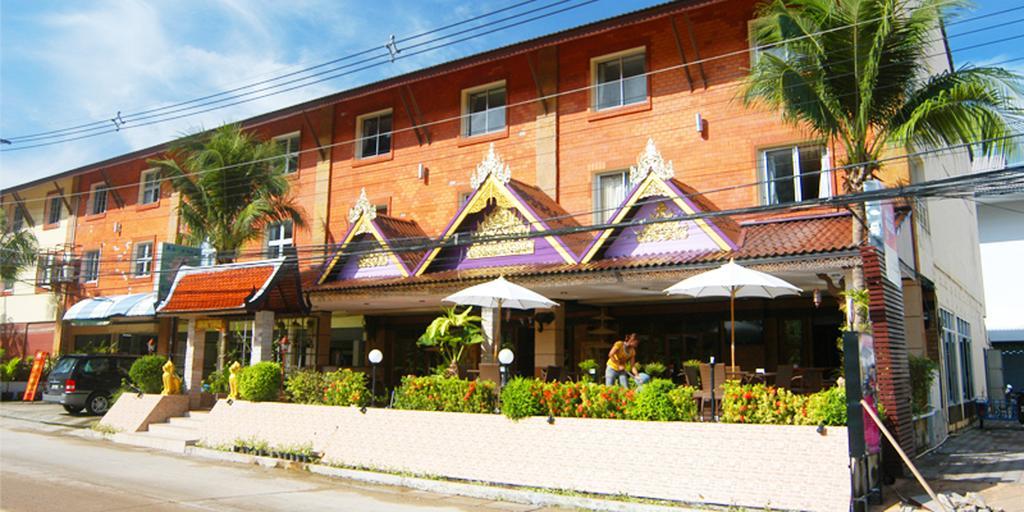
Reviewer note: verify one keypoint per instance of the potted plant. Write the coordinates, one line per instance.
(8, 372)
(691, 368)
(451, 333)
(588, 370)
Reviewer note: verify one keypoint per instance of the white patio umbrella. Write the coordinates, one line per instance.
(732, 280)
(500, 293)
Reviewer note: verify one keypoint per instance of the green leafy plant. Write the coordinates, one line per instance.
(345, 387)
(922, 376)
(305, 387)
(652, 402)
(9, 369)
(654, 369)
(147, 373)
(828, 406)
(682, 399)
(520, 398)
(18, 250)
(585, 366)
(260, 382)
(758, 403)
(449, 394)
(451, 333)
(218, 381)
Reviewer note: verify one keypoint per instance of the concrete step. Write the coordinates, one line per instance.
(148, 440)
(186, 421)
(169, 431)
(197, 414)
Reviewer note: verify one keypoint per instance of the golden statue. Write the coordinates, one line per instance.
(172, 384)
(235, 369)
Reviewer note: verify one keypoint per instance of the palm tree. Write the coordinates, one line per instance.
(18, 250)
(231, 187)
(853, 72)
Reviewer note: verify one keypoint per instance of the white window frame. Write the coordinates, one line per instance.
(145, 260)
(55, 204)
(965, 344)
(603, 212)
(275, 248)
(92, 197)
(147, 187)
(950, 341)
(360, 136)
(49, 261)
(485, 88)
(768, 187)
(594, 84)
(85, 262)
(291, 154)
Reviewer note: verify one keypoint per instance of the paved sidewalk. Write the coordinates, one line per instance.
(989, 462)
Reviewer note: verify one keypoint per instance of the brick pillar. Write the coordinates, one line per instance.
(545, 62)
(887, 323)
(549, 342)
(195, 350)
(263, 337)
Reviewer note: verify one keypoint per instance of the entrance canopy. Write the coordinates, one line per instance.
(100, 309)
(270, 285)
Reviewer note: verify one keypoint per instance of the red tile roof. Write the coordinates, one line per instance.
(268, 284)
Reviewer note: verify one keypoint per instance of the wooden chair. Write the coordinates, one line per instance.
(692, 376)
(784, 377)
(810, 381)
(705, 385)
(552, 373)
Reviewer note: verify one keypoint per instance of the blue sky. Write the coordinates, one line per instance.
(68, 63)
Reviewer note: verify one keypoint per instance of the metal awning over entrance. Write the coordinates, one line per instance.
(99, 310)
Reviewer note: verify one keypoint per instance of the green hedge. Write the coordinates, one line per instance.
(440, 393)
(147, 373)
(758, 403)
(342, 387)
(306, 387)
(260, 382)
(659, 400)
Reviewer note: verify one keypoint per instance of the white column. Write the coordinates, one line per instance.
(491, 325)
(195, 346)
(263, 337)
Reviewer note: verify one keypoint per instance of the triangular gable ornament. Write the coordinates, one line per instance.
(362, 208)
(492, 165)
(650, 161)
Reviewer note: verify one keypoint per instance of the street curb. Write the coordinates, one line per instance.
(479, 491)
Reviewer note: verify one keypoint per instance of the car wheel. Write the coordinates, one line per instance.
(97, 404)
(72, 409)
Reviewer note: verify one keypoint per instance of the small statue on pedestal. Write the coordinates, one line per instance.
(235, 369)
(172, 383)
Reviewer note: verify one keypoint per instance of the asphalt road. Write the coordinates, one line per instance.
(45, 468)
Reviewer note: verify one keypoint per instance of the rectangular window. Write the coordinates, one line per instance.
(149, 186)
(279, 239)
(966, 369)
(142, 263)
(792, 174)
(484, 109)
(374, 134)
(54, 205)
(609, 193)
(949, 343)
(619, 79)
(91, 266)
(45, 272)
(98, 198)
(289, 146)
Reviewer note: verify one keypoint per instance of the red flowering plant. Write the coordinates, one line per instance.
(345, 387)
(440, 393)
(758, 403)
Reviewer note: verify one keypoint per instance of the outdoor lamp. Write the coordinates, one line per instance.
(375, 356)
(816, 298)
(505, 357)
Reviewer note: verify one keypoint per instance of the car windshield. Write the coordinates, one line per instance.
(65, 365)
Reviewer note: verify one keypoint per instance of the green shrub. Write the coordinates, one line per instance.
(306, 387)
(344, 387)
(922, 376)
(682, 399)
(449, 394)
(827, 407)
(260, 382)
(585, 366)
(218, 381)
(655, 369)
(758, 403)
(147, 373)
(520, 398)
(652, 403)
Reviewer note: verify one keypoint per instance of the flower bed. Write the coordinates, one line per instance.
(659, 400)
(758, 403)
(342, 387)
(448, 394)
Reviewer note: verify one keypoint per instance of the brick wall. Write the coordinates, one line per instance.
(744, 465)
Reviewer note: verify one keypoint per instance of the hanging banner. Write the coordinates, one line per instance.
(869, 391)
(38, 363)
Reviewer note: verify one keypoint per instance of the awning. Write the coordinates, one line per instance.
(105, 308)
(271, 285)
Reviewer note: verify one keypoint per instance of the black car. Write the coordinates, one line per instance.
(86, 381)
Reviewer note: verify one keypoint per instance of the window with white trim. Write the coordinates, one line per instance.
(792, 174)
(91, 266)
(98, 193)
(619, 79)
(279, 239)
(963, 329)
(45, 273)
(609, 193)
(289, 146)
(374, 134)
(142, 262)
(53, 213)
(949, 346)
(149, 186)
(483, 109)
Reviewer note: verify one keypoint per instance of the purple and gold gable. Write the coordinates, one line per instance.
(376, 246)
(655, 197)
(502, 220)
